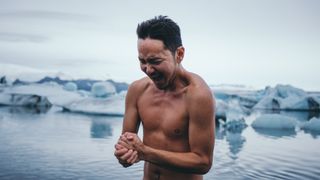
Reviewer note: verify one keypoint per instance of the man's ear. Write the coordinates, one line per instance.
(179, 54)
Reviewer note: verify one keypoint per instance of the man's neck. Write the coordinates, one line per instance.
(178, 82)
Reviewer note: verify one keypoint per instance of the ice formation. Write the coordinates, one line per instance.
(27, 100)
(52, 91)
(70, 86)
(113, 105)
(221, 109)
(286, 97)
(274, 121)
(103, 89)
(313, 124)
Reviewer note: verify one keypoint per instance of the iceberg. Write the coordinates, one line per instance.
(274, 121)
(246, 98)
(113, 106)
(52, 91)
(312, 125)
(27, 100)
(70, 86)
(230, 115)
(74, 101)
(235, 110)
(221, 109)
(286, 97)
(103, 89)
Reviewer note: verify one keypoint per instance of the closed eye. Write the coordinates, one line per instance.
(142, 61)
(155, 61)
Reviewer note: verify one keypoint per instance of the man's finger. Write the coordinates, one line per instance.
(118, 146)
(127, 155)
(132, 158)
(125, 144)
(129, 135)
(121, 152)
(123, 138)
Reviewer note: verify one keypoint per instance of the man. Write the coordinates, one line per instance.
(175, 107)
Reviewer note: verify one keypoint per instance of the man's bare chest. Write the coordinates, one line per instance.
(165, 113)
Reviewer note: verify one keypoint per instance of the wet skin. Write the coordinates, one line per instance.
(176, 110)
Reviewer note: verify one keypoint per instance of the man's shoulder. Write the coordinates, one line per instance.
(200, 97)
(198, 86)
(140, 85)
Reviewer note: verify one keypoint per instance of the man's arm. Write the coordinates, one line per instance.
(201, 138)
(131, 123)
(131, 119)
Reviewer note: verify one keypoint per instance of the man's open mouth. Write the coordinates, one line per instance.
(156, 77)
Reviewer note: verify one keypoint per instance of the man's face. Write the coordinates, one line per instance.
(156, 62)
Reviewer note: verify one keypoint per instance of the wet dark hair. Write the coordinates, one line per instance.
(161, 28)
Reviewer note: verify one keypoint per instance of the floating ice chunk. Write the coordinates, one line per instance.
(54, 92)
(274, 121)
(235, 111)
(122, 94)
(221, 109)
(28, 100)
(313, 124)
(103, 89)
(84, 93)
(287, 97)
(112, 105)
(70, 86)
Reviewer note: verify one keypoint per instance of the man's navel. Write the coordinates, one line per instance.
(177, 132)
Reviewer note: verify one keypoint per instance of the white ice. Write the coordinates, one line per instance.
(112, 105)
(313, 124)
(287, 97)
(70, 86)
(274, 121)
(103, 89)
(75, 101)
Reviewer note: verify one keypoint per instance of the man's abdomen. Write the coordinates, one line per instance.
(155, 172)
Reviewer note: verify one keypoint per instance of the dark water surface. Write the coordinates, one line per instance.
(57, 145)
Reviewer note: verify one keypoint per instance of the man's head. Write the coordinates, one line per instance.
(160, 50)
(161, 28)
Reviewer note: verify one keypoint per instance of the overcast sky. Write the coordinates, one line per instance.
(250, 42)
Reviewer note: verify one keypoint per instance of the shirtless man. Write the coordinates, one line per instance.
(175, 107)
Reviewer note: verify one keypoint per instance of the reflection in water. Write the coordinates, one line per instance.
(220, 133)
(100, 129)
(276, 133)
(58, 145)
(235, 141)
(315, 134)
(314, 114)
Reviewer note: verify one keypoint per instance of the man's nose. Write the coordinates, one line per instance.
(149, 69)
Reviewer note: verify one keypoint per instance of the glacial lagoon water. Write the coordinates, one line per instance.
(60, 145)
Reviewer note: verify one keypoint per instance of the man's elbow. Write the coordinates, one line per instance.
(204, 167)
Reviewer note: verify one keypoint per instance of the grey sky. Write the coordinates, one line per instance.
(251, 42)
